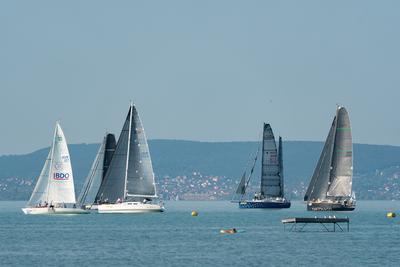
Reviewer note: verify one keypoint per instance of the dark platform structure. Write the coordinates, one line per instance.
(329, 224)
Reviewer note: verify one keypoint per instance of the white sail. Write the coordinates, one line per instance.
(94, 178)
(332, 176)
(342, 158)
(39, 194)
(61, 180)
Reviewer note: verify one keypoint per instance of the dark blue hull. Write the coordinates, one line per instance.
(264, 205)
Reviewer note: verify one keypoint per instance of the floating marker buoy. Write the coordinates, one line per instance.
(391, 215)
(194, 213)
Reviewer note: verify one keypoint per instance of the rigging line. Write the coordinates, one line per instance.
(256, 149)
(252, 169)
(249, 160)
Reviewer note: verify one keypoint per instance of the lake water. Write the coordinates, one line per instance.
(175, 238)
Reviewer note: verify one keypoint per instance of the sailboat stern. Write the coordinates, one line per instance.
(329, 205)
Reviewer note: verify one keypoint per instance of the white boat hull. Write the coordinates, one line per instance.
(47, 210)
(129, 207)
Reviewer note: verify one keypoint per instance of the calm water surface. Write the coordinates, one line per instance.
(174, 238)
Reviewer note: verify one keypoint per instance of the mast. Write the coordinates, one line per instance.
(280, 162)
(262, 160)
(128, 149)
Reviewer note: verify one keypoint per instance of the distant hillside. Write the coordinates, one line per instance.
(225, 159)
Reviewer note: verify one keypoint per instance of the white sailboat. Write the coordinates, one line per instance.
(330, 187)
(129, 184)
(54, 191)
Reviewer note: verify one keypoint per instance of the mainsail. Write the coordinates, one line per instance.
(130, 174)
(342, 158)
(55, 183)
(270, 178)
(97, 171)
(140, 176)
(333, 174)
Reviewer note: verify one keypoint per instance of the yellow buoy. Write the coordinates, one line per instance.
(391, 215)
(194, 213)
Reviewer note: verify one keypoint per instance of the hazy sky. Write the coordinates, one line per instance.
(197, 70)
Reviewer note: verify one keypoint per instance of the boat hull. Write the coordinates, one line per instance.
(52, 211)
(328, 206)
(129, 207)
(264, 205)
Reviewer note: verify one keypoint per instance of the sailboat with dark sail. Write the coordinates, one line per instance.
(129, 185)
(88, 197)
(271, 195)
(331, 184)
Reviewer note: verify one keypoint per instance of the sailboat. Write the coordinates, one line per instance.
(54, 191)
(88, 197)
(129, 184)
(331, 184)
(271, 195)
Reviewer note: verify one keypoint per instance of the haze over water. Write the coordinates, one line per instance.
(174, 238)
(197, 70)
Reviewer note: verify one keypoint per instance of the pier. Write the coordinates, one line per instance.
(328, 224)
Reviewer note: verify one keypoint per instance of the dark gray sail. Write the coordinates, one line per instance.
(241, 189)
(342, 158)
(280, 162)
(140, 176)
(320, 180)
(270, 180)
(111, 144)
(113, 185)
